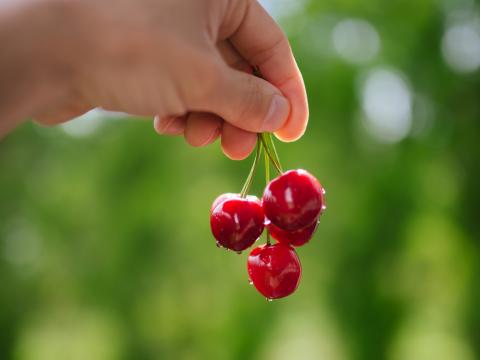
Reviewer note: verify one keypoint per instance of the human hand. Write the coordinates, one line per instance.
(188, 62)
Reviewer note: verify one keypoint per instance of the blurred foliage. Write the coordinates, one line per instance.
(106, 251)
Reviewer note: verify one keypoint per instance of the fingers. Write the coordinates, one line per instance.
(261, 42)
(173, 125)
(202, 128)
(231, 56)
(245, 101)
(296, 124)
(230, 143)
(237, 144)
(194, 132)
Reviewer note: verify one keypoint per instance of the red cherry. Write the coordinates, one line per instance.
(294, 200)
(294, 238)
(237, 222)
(275, 270)
(221, 198)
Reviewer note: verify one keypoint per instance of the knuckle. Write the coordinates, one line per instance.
(234, 15)
(278, 44)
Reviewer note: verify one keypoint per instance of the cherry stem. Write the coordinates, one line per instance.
(267, 168)
(253, 169)
(273, 160)
(275, 153)
(267, 180)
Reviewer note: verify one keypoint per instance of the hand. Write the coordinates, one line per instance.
(189, 63)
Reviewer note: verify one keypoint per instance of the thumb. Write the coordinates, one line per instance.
(248, 102)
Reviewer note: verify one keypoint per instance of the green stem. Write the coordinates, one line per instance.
(267, 168)
(268, 142)
(253, 169)
(275, 153)
(274, 162)
(267, 180)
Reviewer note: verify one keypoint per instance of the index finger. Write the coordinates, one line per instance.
(261, 42)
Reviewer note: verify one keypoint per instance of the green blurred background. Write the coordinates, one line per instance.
(105, 246)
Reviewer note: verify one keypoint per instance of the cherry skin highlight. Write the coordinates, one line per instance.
(221, 198)
(225, 196)
(294, 238)
(237, 223)
(294, 200)
(274, 270)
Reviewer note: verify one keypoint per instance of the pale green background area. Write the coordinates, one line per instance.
(105, 246)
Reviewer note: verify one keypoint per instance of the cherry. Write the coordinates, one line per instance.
(294, 238)
(294, 200)
(237, 222)
(275, 270)
(221, 198)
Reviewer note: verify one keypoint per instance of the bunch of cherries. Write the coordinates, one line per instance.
(290, 209)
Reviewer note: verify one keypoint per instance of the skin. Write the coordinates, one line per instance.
(187, 63)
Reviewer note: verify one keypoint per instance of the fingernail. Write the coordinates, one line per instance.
(174, 126)
(213, 136)
(277, 114)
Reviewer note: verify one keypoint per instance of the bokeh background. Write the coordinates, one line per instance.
(105, 246)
